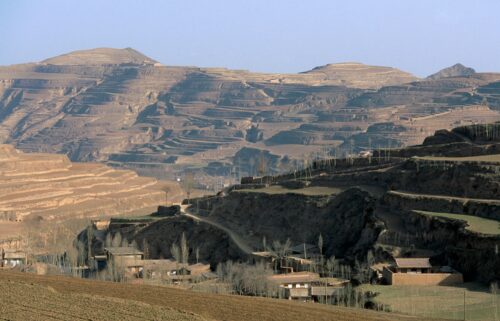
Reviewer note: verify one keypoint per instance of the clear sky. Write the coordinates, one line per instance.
(420, 36)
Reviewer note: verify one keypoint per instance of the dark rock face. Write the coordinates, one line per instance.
(214, 245)
(346, 221)
(474, 255)
(457, 70)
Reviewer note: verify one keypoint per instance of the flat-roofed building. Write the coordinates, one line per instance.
(419, 271)
(127, 258)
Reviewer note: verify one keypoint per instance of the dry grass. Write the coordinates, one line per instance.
(474, 223)
(440, 301)
(54, 293)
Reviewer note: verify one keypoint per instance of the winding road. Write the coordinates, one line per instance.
(240, 243)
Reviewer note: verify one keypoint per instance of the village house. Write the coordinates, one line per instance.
(419, 271)
(127, 258)
(174, 272)
(307, 286)
(12, 258)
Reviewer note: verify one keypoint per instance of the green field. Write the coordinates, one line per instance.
(439, 301)
(309, 191)
(474, 223)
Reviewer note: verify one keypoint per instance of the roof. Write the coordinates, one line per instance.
(199, 268)
(14, 255)
(336, 282)
(122, 250)
(413, 262)
(294, 277)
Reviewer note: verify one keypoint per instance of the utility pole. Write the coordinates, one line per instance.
(464, 306)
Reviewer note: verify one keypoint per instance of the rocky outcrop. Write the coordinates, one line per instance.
(475, 255)
(457, 70)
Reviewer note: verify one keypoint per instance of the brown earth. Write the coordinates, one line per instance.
(63, 298)
(121, 107)
(47, 189)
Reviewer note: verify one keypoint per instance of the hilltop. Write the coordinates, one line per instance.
(101, 56)
(355, 74)
(457, 70)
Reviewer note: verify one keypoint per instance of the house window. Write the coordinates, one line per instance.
(289, 286)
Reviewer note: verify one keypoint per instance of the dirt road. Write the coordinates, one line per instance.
(242, 245)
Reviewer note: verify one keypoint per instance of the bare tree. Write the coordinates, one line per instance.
(184, 249)
(166, 190)
(117, 239)
(188, 184)
(176, 252)
(320, 244)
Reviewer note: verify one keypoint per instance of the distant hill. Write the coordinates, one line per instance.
(457, 70)
(101, 56)
(363, 76)
(120, 107)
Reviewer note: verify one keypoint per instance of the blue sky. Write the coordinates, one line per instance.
(273, 35)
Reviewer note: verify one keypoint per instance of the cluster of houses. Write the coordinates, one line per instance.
(307, 286)
(132, 264)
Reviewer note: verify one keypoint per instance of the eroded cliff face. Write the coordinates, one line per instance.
(346, 221)
(475, 255)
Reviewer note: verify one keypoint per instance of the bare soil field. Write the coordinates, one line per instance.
(33, 297)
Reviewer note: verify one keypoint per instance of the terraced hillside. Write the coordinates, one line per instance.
(123, 108)
(445, 206)
(49, 188)
(30, 297)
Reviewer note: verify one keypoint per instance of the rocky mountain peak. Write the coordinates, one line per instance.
(457, 70)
